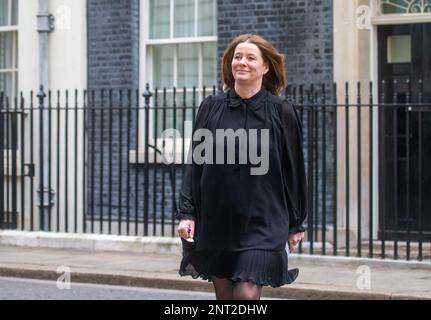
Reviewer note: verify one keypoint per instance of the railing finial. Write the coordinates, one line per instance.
(41, 95)
(147, 94)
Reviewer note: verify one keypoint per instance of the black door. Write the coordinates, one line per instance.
(405, 131)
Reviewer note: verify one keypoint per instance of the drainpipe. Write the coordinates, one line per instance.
(45, 24)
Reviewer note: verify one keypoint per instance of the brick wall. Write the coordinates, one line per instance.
(113, 43)
(300, 29)
(113, 64)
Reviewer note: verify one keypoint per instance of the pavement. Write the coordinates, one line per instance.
(320, 277)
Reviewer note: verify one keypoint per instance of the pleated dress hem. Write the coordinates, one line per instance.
(262, 267)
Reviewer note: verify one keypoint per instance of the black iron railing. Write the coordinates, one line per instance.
(99, 167)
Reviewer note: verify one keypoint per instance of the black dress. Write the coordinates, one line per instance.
(242, 221)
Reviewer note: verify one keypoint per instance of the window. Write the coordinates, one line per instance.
(399, 49)
(8, 48)
(181, 52)
(404, 6)
(182, 43)
(8, 60)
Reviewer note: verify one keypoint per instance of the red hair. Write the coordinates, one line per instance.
(274, 80)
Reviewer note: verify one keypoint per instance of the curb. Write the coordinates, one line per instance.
(357, 261)
(91, 242)
(299, 292)
(168, 245)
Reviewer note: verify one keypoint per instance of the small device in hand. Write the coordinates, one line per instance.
(190, 239)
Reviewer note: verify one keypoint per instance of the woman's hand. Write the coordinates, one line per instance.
(186, 229)
(294, 239)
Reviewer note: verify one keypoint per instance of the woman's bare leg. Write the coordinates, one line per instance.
(223, 288)
(246, 291)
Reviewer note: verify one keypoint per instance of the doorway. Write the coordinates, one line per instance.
(405, 131)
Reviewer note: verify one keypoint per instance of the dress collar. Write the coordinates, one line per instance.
(254, 102)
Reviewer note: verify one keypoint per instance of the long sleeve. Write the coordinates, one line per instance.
(294, 168)
(186, 203)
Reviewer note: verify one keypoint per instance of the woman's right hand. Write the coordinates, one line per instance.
(186, 229)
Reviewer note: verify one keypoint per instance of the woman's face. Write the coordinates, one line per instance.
(247, 64)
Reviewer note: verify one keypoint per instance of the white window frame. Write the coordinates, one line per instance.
(12, 29)
(380, 18)
(146, 76)
(147, 43)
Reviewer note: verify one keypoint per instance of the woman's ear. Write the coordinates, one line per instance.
(266, 69)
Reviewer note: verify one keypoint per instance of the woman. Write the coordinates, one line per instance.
(239, 221)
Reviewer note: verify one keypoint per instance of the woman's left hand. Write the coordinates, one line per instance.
(294, 239)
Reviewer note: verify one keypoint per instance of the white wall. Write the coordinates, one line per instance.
(352, 64)
(68, 45)
(27, 45)
(67, 70)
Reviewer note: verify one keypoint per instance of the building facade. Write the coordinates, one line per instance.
(100, 45)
